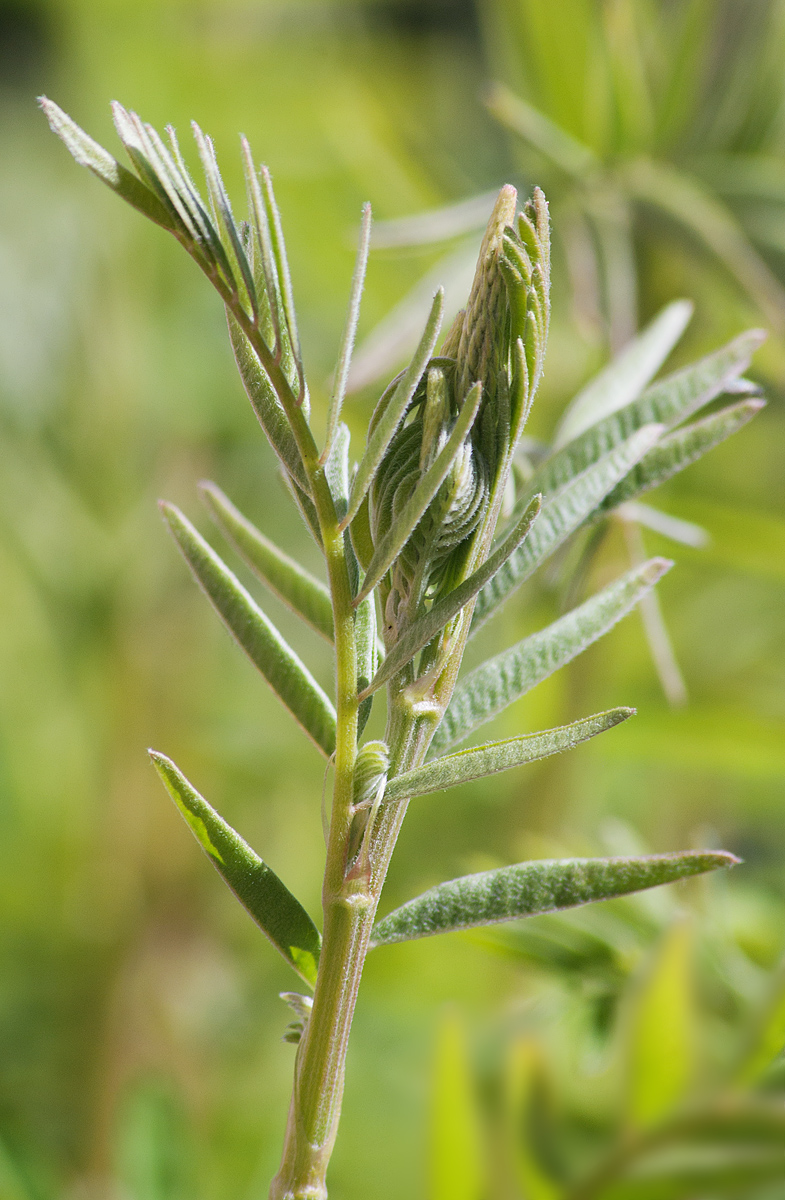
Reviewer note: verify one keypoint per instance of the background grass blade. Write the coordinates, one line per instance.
(491, 687)
(549, 885)
(291, 681)
(500, 756)
(301, 591)
(623, 380)
(276, 911)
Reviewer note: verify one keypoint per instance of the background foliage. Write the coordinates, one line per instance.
(140, 1040)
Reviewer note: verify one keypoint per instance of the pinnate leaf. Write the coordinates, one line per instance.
(291, 681)
(491, 687)
(276, 911)
(480, 761)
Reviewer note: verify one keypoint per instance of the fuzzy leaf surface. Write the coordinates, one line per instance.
(623, 380)
(562, 513)
(541, 886)
(478, 762)
(289, 678)
(301, 591)
(488, 690)
(273, 907)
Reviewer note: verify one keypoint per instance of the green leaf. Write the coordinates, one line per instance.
(562, 513)
(767, 1036)
(676, 451)
(668, 402)
(531, 1132)
(564, 150)
(661, 1031)
(367, 654)
(623, 380)
(266, 405)
(480, 761)
(427, 626)
(304, 594)
(454, 1149)
(223, 214)
(291, 681)
(392, 408)
(276, 911)
(541, 886)
(284, 278)
(89, 154)
(349, 333)
(491, 687)
(390, 546)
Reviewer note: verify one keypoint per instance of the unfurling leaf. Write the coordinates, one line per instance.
(276, 911)
(495, 684)
(291, 681)
(478, 762)
(537, 887)
(298, 589)
(562, 513)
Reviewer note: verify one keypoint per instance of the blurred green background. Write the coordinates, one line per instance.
(140, 1028)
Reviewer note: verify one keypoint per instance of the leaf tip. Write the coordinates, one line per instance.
(655, 568)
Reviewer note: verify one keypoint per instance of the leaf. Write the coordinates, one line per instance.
(564, 150)
(661, 1031)
(366, 642)
(427, 626)
(767, 1036)
(349, 334)
(276, 911)
(291, 681)
(455, 1165)
(668, 402)
(223, 214)
(562, 513)
(88, 153)
(407, 520)
(623, 380)
(480, 761)
(541, 886)
(676, 451)
(266, 405)
(491, 687)
(296, 587)
(284, 277)
(435, 224)
(530, 1134)
(392, 409)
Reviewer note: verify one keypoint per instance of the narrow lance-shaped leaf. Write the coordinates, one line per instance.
(676, 451)
(478, 762)
(291, 681)
(563, 513)
(540, 886)
(88, 153)
(626, 376)
(413, 511)
(223, 214)
(428, 625)
(284, 278)
(767, 1036)
(491, 687)
(668, 402)
(301, 591)
(349, 333)
(395, 409)
(276, 911)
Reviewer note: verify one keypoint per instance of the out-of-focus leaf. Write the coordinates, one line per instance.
(662, 1031)
(89, 154)
(741, 539)
(563, 150)
(435, 225)
(155, 1157)
(684, 532)
(767, 1035)
(276, 911)
(291, 681)
(498, 682)
(684, 200)
(478, 762)
(529, 1135)
(392, 408)
(623, 380)
(562, 513)
(428, 625)
(349, 333)
(668, 402)
(455, 1167)
(13, 1183)
(680, 448)
(545, 886)
(298, 589)
(390, 546)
